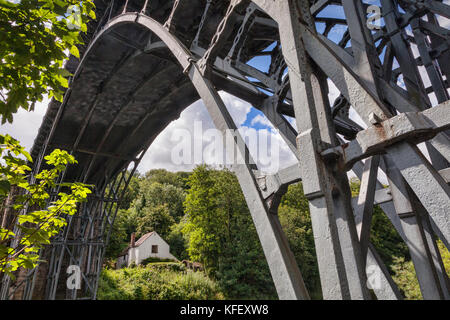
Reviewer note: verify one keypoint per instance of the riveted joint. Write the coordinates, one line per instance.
(188, 67)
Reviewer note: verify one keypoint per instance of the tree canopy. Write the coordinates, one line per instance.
(223, 237)
(37, 37)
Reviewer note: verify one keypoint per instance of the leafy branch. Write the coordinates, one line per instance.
(36, 39)
(23, 231)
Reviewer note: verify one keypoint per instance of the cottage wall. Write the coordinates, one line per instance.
(121, 261)
(144, 251)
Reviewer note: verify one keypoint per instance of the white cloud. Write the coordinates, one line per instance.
(270, 152)
(159, 154)
(237, 108)
(333, 92)
(443, 21)
(261, 120)
(26, 124)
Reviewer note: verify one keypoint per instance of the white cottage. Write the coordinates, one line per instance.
(149, 245)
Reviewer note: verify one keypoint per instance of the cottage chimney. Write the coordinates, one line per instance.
(133, 238)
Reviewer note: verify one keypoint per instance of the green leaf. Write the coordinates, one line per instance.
(33, 40)
(5, 187)
(75, 52)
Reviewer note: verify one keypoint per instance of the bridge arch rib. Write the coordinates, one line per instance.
(193, 85)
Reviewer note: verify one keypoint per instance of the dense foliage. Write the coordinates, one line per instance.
(222, 235)
(405, 275)
(204, 218)
(153, 202)
(36, 38)
(383, 235)
(157, 282)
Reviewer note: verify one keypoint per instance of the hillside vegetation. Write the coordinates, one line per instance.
(204, 218)
(163, 281)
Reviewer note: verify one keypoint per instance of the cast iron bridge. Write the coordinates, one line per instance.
(146, 61)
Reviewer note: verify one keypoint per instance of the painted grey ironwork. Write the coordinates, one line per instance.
(146, 61)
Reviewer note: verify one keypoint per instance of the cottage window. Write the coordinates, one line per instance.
(154, 249)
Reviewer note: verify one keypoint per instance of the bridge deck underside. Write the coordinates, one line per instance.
(129, 88)
(121, 101)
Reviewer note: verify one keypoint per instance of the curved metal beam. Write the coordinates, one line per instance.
(285, 273)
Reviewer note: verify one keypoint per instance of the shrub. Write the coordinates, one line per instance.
(405, 277)
(405, 274)
(153, 259)
(156, 282)
(171, 266)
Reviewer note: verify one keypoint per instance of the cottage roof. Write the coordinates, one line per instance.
(143, 238)
(137, 243)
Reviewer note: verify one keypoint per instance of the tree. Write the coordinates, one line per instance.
(177, 179)
(405, 274)
(142, 211)
(23, 230)
(296, 223)
(406, 279)
(295, 219)
(153, 194)
(157, 219)
(131, 192)
(178, 241)
(118, 239)
(222, 236)
(383, 235)
(35, 41)
(206, 222)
